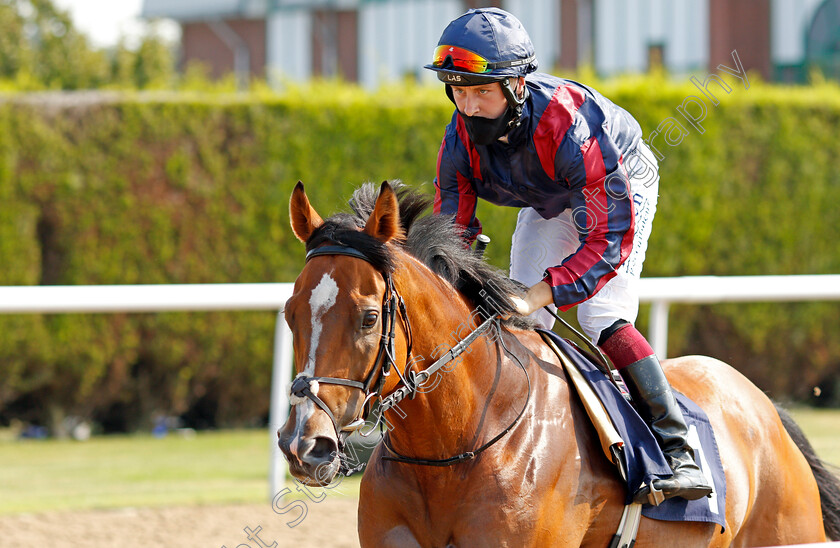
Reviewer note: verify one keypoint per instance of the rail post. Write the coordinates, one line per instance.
(281, 372)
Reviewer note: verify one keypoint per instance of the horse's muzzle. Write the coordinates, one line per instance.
(312, 460)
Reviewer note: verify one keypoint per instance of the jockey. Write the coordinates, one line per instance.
(586, 183)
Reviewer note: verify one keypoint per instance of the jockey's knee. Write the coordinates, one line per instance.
(609, 331)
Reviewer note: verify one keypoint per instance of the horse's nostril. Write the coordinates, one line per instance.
(324, 449)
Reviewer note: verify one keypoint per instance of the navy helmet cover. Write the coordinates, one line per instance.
(495, 35)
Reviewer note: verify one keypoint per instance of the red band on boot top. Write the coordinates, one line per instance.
(626, 346)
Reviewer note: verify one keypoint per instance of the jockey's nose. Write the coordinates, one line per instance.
(471, 107)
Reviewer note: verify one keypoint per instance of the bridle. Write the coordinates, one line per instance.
(304, 386)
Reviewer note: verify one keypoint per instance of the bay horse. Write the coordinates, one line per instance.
(383, 291)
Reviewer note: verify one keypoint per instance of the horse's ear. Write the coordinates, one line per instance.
(303, 217)
(384, 222)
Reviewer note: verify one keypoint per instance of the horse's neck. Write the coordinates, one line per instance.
(453, 409)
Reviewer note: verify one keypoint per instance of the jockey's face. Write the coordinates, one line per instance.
(486, 100)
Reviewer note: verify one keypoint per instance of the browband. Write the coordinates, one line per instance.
(337, 250)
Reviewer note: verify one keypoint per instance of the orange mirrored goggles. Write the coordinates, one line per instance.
(462, 58)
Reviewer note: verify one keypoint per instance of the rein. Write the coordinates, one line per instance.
(466, 455)
(306, 387)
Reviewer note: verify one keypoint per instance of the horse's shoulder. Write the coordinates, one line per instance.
(534, 342)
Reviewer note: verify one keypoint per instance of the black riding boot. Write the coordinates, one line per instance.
(657, 405)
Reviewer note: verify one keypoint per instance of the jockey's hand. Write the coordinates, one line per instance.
(521, 305)
(537, 297)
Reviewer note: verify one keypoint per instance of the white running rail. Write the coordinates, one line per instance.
(55, 299)
(660, 292)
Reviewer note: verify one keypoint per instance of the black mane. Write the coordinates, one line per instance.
(432, 239)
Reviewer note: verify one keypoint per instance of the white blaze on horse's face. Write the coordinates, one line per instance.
(320, 301)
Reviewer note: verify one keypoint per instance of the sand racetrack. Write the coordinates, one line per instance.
(330, 523)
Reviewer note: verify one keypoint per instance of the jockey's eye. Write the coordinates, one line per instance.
(370, 319)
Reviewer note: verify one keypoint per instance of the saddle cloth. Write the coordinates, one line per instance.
(643, 459)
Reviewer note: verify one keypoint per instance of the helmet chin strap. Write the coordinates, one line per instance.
(514, 101)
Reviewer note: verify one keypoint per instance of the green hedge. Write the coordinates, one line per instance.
(195, 188)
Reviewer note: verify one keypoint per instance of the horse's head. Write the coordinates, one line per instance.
(339, 321)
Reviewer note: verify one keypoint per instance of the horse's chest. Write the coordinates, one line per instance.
(480, 515)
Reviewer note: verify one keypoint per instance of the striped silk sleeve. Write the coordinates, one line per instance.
(454, 193)
(602, 211)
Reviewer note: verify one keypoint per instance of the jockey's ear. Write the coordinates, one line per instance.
(303, 217)
(520, 87)
(384, 222)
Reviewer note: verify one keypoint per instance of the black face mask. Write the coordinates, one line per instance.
(483, 131)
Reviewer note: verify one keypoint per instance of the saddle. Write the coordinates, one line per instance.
(630, 446)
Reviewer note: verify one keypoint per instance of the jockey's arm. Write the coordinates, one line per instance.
(538, 296)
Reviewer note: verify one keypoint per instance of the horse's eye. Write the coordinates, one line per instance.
(370, 319)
